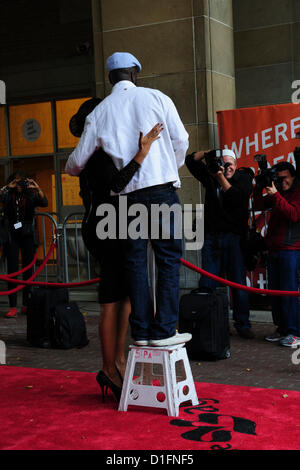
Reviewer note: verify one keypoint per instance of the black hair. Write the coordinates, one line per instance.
(76, 124)
(283, 166)
(14, 175)
(129, 73)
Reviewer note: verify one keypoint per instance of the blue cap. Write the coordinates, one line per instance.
(122, 60)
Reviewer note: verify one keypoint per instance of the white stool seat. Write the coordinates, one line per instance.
(153, 389)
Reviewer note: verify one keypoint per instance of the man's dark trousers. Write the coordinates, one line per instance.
(283, 274)
(144, 324)
(221, 253)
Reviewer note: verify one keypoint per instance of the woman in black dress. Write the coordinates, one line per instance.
(99, 177)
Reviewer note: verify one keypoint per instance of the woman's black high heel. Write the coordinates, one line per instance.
(102, 385)
(120, 375)
(106, 383)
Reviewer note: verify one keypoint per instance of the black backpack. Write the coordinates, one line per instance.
(53, 321)
(69, 330)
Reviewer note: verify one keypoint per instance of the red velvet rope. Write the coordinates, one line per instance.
(41, 283)
(189, 265)
(234, 285)
(16, 289)
(17, 273)
(52, 284)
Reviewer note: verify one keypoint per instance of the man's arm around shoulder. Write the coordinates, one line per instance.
(84, 150)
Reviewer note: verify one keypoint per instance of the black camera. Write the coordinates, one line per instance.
(297, 157)
(267, 175)
(23, 183)
(214, 161)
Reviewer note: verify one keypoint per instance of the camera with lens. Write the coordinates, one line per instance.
(267, 175)
(297, 157)
(23, 183)
(214, 161)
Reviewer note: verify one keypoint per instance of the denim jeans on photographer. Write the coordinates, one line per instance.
(144, 324)
(283, 274)
(222, 253)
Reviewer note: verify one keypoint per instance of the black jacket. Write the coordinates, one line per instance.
(224, 211)
(29, 200)
(98, 178)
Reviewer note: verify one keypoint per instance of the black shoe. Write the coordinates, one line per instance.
(246, 333)
(106, 383)
(274, 337)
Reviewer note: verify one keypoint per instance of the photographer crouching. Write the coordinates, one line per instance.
(228, 190)
(283, 243)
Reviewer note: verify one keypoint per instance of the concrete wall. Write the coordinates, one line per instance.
(267, 53)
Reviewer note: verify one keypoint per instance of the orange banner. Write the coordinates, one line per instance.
(269, 130)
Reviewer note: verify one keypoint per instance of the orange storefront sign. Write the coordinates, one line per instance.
(269, 130)
(31, 130)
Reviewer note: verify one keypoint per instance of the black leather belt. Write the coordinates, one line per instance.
(157, 187)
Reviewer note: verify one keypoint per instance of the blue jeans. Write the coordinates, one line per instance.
(144, 322)
(283, 271)
(222, 253)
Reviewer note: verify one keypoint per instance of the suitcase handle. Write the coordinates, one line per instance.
(202, 290)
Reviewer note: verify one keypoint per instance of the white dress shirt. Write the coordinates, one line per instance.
(115, 125)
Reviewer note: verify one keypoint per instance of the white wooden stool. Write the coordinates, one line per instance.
(161, 390)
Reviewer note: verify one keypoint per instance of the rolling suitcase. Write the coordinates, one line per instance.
(41, 305)
(204, 313)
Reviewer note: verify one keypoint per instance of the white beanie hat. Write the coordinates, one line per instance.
(229, 153)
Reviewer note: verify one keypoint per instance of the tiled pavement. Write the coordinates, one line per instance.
(252, 363)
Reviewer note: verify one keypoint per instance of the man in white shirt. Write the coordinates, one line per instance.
(115, 125)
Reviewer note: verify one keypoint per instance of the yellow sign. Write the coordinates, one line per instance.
(70, 191)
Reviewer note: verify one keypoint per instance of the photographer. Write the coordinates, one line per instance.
(225, 224)
(20, 197)
(283, 243)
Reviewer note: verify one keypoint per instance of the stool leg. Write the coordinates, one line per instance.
(188, 373)
(169, 384)
(173, 357)
(123, 405)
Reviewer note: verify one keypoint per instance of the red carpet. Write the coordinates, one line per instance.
(55, 410)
